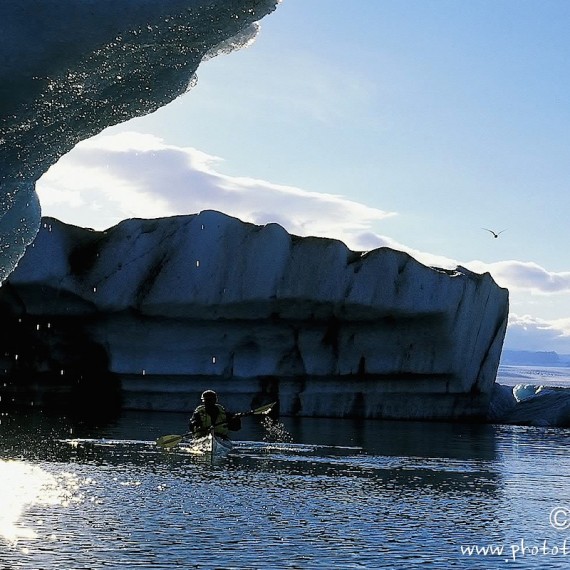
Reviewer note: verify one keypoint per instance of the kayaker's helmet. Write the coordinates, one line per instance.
(209, 396)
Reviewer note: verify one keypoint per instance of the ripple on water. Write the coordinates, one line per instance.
(127, 504)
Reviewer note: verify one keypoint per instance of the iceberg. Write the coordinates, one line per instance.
(531, 405)
(172, 305)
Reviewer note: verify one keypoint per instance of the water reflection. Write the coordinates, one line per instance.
(396, 438)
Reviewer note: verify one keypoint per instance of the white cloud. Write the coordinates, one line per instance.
(525, 276)
(530, 333)
(112, 177)
(138, 175)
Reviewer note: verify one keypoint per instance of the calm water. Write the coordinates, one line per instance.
(340, 494)
(537, 375)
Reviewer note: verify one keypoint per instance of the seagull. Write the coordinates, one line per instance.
(495, 234)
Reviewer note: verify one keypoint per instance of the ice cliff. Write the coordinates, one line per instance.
(170, 306)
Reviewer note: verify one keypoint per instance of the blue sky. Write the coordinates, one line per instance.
(412, 123)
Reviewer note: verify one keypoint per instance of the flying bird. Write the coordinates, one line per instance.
(495, 234)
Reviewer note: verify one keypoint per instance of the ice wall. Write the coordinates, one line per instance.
(174, 305)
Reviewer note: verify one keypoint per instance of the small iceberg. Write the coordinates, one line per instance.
(529, 404)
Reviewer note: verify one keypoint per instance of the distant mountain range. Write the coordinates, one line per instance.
(530, 358)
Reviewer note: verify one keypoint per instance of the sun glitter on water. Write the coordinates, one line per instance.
(22, 486)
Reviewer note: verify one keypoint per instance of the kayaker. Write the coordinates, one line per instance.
(209, 414)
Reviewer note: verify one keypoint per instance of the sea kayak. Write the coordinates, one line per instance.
(209, 444)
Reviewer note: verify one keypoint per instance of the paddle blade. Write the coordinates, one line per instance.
(168, 441)
(263, 409)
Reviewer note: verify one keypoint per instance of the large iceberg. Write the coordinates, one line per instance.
(172, 305)
(70, 68)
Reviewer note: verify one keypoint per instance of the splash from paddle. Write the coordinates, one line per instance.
(172, 440)
(275, 431)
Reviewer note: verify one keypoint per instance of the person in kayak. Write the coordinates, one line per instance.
(211, 414)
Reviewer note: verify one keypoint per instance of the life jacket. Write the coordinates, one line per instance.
(220, 427)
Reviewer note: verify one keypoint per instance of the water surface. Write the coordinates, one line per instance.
(331, 494)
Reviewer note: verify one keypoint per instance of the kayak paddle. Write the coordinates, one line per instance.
(168, 441)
